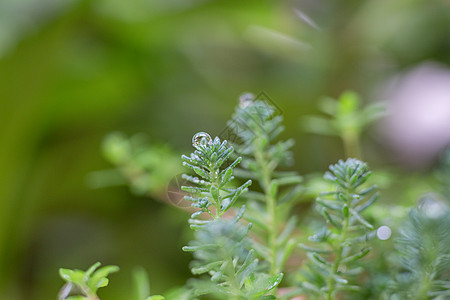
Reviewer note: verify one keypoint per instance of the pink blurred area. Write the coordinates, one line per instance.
(417, 127)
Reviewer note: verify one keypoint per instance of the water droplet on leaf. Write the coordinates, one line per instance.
(201, 138)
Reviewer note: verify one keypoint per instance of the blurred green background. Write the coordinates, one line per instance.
(73, 71)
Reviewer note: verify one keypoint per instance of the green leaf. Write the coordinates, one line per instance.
(348, 103)
(141, 283)
(66, 274)
(105, 271)
(356, 256)
(206, 268)
(289, 180)
(99, 280)
(274, 281)
(317, 125)
(214, 193)
(92, 269)
(360, 219)
(345, 211)
(311, 249)
(273, 189)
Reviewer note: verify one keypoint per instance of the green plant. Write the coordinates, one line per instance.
(423, 253)
(244, 233)
(86, 282)
(345, 120)
(221, 247)
(145, 167)
(333, 262)
(257, 126)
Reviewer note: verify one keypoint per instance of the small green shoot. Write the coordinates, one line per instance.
(86, 283)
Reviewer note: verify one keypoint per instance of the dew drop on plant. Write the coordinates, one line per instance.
(198, 137)
(246, 100)
(384, 232)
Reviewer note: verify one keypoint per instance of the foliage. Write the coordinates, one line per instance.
(207, 162)
(145, 167)
(345, 120)
(333, 263)
(245, 233)
(256, 127)
(72, 71)
(88, 282)
(423, 252)
(220, 247)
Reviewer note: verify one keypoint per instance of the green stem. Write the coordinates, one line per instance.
(216, 182)
(351, 144)
(424, 287)
(337, 262)
(266, 179)
(90, 295)
(235, 287)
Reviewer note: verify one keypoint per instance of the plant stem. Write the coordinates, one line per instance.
(215, 182)
(234, 284)
(337, 262)
(266, 178)
(351, 144)
(89, 294)
(424, 287)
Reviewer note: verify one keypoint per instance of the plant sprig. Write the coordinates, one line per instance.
(423, 253)
(345, 119)
(211, 188)
(257, 127)
(87, 282)
(340, 245)
(221, 247)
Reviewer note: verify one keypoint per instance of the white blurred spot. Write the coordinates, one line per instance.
(384, 232)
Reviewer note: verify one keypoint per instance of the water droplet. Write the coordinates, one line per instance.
(246, 100)
(384, 232)
(201, 138)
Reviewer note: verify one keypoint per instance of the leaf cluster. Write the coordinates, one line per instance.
(344, 116)
(221, 248)
(333, 260)
(87, 282)
(210, 188)
(423, 253)
(257, 127)
(146, 167)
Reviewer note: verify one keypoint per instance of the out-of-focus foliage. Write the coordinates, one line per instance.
(255, 127)
(146, 168)
(423, 249)
(73, 71)
(347, 120)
